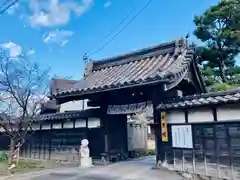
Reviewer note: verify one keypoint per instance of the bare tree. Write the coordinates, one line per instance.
(141, 117)
(23, 87)
(144, 116)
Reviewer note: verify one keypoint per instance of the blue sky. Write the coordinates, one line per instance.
(57, 33)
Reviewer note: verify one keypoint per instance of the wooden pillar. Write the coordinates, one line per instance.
(125, 133)
(104, 125)
(40, 144)
(158, 140)
(157, 99)
(160, 96)
(50, 142)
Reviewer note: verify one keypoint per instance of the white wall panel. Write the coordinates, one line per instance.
(175, 117)
(71, 106)
(57, 126)
(68, 124)
(93, 122)
(35, 126)
(228, 113)
(200, 115)
(80, 123)
(46, 126)
(75, 106)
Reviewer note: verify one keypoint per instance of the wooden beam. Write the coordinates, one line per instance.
(93, 103)
(186, 115)
(214, 111)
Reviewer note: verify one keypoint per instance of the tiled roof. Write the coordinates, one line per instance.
(167, 63)
(59, 84)
(203, 100)
(71, 114)
(51, 104)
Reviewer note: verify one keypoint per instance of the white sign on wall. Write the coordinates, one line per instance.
(182, 136)
(129, 108)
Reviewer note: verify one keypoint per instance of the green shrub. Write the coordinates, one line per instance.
(3, 156)
(140, 152)
(143, 152)
(220, 87)
(150, 152)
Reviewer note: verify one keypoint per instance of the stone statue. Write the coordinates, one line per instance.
(84, 150)
(86, 161)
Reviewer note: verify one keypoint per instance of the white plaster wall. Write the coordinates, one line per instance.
(228, 113)
(57, 126)
(46, 126)
(75, 106)
(175, 117)
(35, 126)
(80, 123)
(93, 122)
(200, 115)
(72, 106)
(68, 124)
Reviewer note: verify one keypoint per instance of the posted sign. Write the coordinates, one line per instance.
(164, 127)
(182, 136)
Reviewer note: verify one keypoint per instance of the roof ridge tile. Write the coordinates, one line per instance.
(170, 72)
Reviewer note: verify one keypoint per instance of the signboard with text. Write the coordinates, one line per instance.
(129, 108)
(164, 127)
(182, 136)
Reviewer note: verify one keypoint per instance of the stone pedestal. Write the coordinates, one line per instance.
(86, 162)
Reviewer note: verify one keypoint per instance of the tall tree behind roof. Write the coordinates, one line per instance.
(219, 28)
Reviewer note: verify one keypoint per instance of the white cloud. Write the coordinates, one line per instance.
(31, 52)
(52, 13)
(63, 43)
(107, 4)
(59, 37)
(14, 49)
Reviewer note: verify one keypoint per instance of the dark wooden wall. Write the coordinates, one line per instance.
(116, 129)
(42, 143)
(4, 142)
(216, 143)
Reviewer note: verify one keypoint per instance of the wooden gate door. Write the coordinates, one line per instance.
(96, 142)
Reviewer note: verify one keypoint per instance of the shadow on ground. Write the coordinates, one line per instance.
(140, 169)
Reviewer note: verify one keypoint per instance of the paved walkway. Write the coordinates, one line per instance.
(140, 169)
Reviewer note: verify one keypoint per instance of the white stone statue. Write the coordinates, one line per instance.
(84, 150)
(86, 161)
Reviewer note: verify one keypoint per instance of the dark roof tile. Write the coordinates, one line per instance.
(60, 84)
(71, 114)
(51, 104)
(203, 99)
(167, 62)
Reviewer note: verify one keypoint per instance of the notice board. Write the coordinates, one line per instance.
(182, 136)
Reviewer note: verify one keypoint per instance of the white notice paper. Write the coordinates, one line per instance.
(182, 136)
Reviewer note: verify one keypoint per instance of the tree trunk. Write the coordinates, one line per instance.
(223, 71)
(11, 151)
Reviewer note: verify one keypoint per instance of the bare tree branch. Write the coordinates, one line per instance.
(23, 88)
